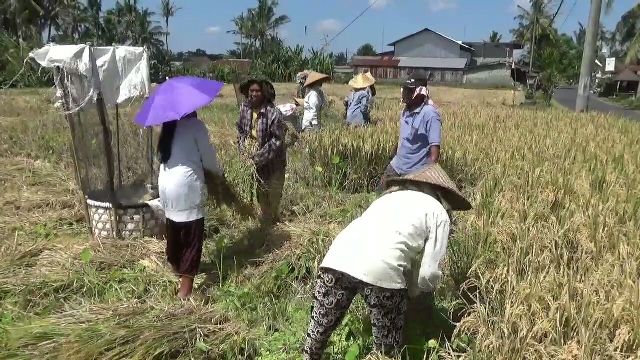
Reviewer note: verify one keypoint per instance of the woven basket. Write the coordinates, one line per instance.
(132, 221)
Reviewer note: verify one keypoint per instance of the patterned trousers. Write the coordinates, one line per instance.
(333, 295)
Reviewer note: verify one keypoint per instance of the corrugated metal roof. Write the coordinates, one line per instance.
(435, 32)
(627, 75)
(437, 63)
(492, 50)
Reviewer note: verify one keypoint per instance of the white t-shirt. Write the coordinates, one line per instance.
(313, 103)
(181, 181)
(396, 243)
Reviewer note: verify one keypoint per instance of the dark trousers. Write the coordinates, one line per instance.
(184, 246)
(269, 185)
(389, 172)
(332, 297)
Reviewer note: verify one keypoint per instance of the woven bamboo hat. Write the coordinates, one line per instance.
(361, 81)
(433, 174)
(315, 77)
(369, 76)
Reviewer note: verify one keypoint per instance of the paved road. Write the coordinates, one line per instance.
(566, 96)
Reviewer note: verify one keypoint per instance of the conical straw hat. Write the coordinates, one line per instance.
(370, 77)
(314, 77)
(360, 81)
(434, 174)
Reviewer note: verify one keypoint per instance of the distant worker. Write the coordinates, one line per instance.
(391, 252)
(420, 130)
(261, 138)
(301, 77)
(358, 101)
(314, 101)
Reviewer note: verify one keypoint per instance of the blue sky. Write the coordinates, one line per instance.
(204, 23)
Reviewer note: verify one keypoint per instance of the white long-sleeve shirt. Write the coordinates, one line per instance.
(313, 103)
(181, 180)
(396, 243)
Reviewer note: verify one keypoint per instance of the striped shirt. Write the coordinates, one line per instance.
(269, 131)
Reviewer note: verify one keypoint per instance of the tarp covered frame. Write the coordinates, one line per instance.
(123, 71)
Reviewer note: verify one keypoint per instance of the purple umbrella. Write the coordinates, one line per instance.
(176, 98)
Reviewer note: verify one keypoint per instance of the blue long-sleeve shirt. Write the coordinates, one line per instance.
(419, 130)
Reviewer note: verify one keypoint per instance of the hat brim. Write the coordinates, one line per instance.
(315, 77)
(434, 175)
(359, 84)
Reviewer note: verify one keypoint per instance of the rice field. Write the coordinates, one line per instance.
(546, 266)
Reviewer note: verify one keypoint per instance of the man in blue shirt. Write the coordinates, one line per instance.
(420, 130)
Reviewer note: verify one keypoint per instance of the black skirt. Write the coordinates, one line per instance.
(184, 246)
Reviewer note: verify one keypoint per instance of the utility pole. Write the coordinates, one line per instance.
(588, 55)
(240, 30)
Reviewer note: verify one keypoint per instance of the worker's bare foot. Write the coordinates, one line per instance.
(186, 287)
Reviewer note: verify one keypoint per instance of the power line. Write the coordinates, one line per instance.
(569, 13)
(371, 3)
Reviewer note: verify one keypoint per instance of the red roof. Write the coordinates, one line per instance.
(374, 61)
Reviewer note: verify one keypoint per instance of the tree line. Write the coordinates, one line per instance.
(558, 55)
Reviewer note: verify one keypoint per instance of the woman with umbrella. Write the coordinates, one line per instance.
(188, 163)
(261, 137)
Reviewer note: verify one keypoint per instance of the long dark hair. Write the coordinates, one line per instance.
(268, 91)
(165, 141)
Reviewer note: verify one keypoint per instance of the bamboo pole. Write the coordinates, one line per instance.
(118, 147)
(66, 105)
(106, 137)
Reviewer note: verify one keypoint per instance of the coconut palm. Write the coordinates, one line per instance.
(260, 25)
(94, 10)
(533, 24)
(168, 10)
(627, 33)
(495, 37)
(266, 21)
(73, 18)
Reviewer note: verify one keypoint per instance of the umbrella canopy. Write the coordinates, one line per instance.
(176, 98)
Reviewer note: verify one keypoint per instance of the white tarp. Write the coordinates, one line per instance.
(123, 71)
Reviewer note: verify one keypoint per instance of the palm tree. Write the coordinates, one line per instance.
(266, 21)
(94, 8)
(495, 37)
(627, 33)
(72, 22)
(533, 23)
(168, 10)
(260, 25)
(22, 19)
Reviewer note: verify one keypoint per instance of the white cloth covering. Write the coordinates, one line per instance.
(181, 181)
(396, 243)
(123, 71)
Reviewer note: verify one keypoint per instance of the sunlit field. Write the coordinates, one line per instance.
(546, 265)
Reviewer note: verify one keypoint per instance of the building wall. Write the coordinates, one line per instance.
(429, 44)
(439, 75)
(489, 76)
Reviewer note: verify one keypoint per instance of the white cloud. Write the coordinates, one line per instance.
(328, 26)
(439, 5)
(379, 4)
(212, 30)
